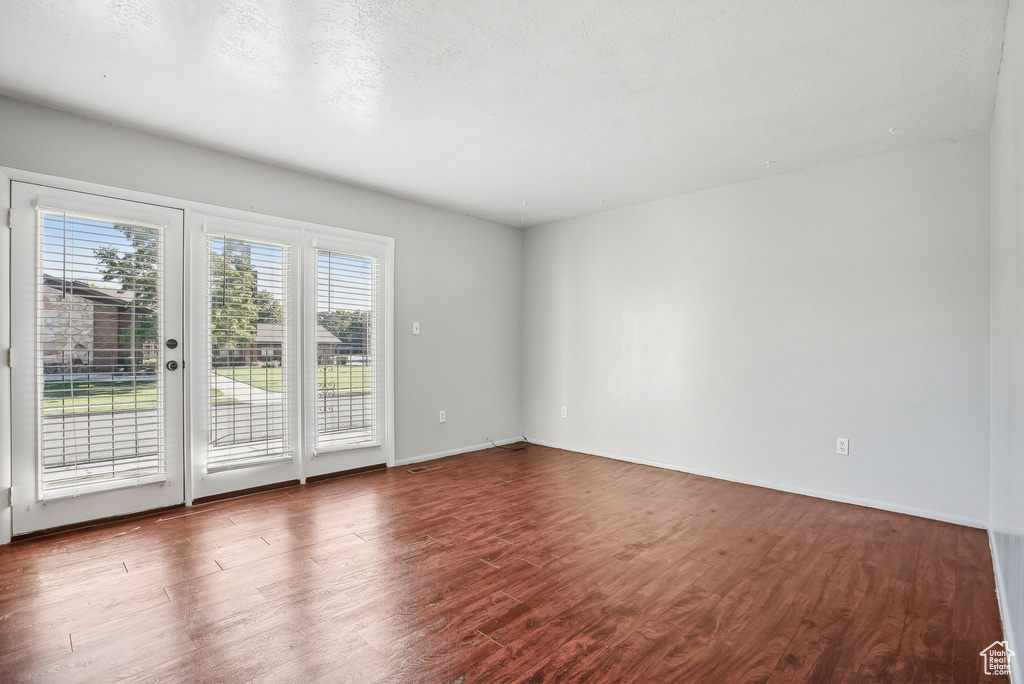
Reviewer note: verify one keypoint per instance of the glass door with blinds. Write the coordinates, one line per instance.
(245, 340)
(345, 346)
(98, 415)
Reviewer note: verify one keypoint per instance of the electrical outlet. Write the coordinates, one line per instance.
(843, 446)
(565, 412)
(440, 416)
(415, 327)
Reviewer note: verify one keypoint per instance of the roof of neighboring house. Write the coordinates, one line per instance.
(100, 295)
(268, 333)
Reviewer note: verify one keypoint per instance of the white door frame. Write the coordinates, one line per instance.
(6, 449)
(354, 232)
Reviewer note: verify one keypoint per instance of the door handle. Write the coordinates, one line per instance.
(172, 365)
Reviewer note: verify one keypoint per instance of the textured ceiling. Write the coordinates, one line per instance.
(521, 111)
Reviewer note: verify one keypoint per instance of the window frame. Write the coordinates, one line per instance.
(381, 450)
(208, 482)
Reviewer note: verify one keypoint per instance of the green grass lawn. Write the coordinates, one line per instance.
(61, 397)
(334, 379)
(64, 397)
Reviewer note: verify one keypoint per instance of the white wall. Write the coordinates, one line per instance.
(458, 276)
(1007, 522)
(739, 331)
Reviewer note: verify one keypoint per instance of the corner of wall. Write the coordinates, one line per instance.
(1016, 671)
(1006, 471)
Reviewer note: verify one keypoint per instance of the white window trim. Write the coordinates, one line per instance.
(319, 462)
(205, 481)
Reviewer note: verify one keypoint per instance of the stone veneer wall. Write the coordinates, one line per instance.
(67, 330)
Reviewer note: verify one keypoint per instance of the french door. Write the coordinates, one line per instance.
(98, 408)
(169, 355)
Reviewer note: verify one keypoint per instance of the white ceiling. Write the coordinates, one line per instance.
(571, 106)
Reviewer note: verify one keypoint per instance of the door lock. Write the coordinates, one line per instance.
(172, 365)
(172, 344)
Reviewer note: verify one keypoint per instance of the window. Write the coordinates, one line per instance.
(348, 359)
(99, 315)
(292, 384)
(248, 417)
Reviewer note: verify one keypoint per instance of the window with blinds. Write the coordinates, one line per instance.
(101, 410)
(249, 356)
(348, 363)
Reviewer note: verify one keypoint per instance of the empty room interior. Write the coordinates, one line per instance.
(457, 341)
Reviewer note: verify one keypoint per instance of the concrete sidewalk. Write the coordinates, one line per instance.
(240, 391)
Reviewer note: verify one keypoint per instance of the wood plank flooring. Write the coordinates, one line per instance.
(531, 565)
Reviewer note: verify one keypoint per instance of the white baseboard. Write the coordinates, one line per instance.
(881, 505)
(454, 452)
(1008, 636)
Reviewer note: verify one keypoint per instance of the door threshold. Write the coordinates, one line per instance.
(244, 492)
(100, 522)
(111, 520)
(345, 473)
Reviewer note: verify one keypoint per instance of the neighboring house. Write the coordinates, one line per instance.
(267, 347)
(85, 328)
(328, 344)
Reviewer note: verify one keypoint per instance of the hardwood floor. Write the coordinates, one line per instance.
(536, 565)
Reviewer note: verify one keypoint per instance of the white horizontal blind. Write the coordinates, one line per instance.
(249, 355)
(101, 406)
(348, 368)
